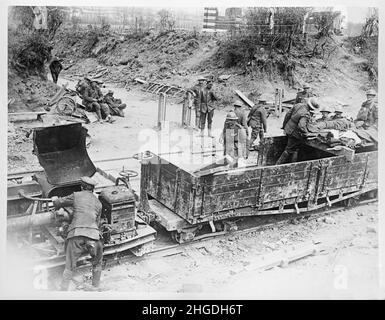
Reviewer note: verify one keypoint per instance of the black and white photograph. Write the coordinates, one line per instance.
(191, 150)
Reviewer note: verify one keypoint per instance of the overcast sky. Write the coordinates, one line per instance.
(357, 14)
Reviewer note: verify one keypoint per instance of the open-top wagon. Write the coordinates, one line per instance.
(183, 199)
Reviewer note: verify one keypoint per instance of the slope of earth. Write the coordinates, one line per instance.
(179, 58)
(28, 93)
(149, 56)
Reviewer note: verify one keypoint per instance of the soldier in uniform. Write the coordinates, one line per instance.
(337, 113)
(55, 67)
(230, 135)
(295, 127)
(368, 114)
(257, 121)
(82, 85)
(83, 235)
(206, 107)
(115, 105)
(325, 111)
(93, 101)
(196, 90)
(304, 94)
(242, 121)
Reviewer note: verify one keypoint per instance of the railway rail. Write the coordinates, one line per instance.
(168, 248)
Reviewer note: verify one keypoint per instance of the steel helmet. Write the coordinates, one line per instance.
(231, 116)
(338, 109)
(313, 103)
(238, 103)
(306, 86)
(325, 109)
(262, 98)
(371, 92)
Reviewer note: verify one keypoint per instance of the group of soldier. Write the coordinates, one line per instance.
(241, 129)
(83, 235)
(105, 106)
(236, 137)
(297, 120)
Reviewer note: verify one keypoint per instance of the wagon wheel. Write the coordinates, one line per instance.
(66, 106)
(182, 237)
(351, 202)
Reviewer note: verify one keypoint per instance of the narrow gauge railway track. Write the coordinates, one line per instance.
(263, 223)
(167, 248)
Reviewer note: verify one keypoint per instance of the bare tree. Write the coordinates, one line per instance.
(370, 28)
(167, 20)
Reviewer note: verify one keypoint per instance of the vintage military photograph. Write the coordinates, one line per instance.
(193, 151)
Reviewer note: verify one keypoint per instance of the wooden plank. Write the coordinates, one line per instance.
(25, 116)
(245, 99)
(140, 81)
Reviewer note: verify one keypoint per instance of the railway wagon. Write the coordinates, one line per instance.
(182, 199)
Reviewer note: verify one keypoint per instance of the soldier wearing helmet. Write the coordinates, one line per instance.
(231, 135)
(304, 94)
(295, 127)
(116, 105)
(83, 234)
(338, 113)
(242, 121)
(196, 91)
(257, 121)
(368, 114)
(325, 111)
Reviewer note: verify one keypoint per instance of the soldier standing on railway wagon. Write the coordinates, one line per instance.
(83, 234)
(257, 121)
(295, 127)
(242, 120)
(368, 114)
(207, 98)
(230, 135)
(196, 90)
(304, 94)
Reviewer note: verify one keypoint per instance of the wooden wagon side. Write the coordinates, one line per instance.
(257, 190)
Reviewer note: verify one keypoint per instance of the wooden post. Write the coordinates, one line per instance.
(278, 102)
(161, 110)
(186, 110)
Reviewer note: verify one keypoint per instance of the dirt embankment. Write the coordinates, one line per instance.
(176, 58)
(179, 58)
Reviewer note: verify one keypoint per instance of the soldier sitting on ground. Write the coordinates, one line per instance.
(93, 101)
(116, 105)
